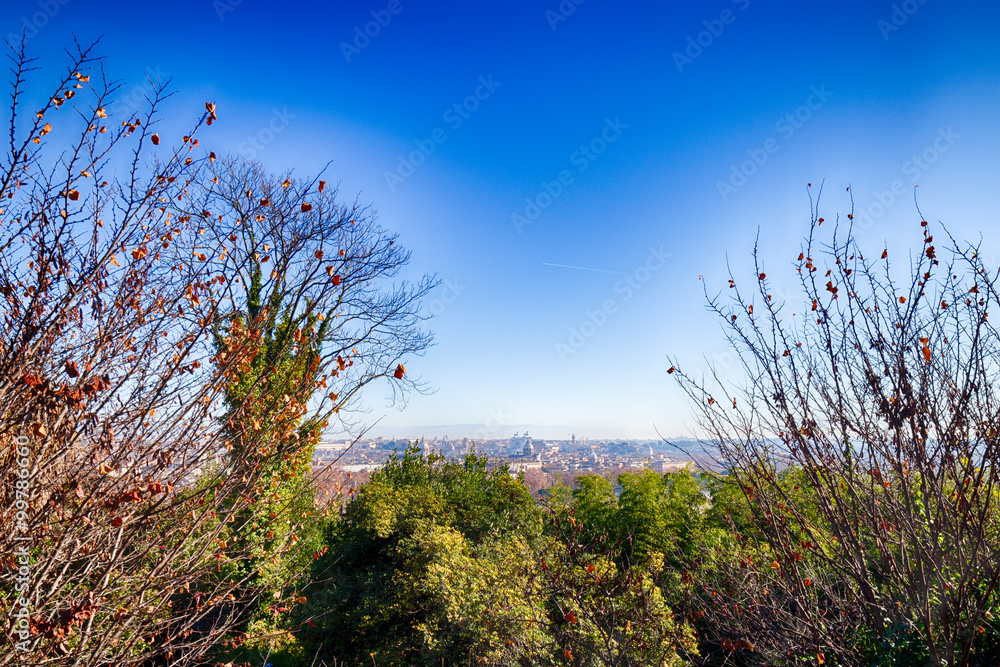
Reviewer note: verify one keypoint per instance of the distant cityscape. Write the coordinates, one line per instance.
(573, 456)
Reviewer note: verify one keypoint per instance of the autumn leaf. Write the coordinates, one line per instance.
(400, 370)
(671, 370)
(322, 184)
(72, 370)
(301, 599)
(318, 254)
(40, 430)
(885, 253)
(306, 207)
(101, 113)
(927, 354)
(155, 139)
(336, 280)
(286, 183)
(73, 195)
(114, 261)
(211, 156)
(104, 469)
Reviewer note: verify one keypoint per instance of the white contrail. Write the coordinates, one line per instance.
(584, 268)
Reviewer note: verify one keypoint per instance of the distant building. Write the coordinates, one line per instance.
(524, 444)
(670, 466)
(522, 465)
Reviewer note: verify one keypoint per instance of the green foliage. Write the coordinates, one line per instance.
(427, 565)
(280, 528)
(596, 506)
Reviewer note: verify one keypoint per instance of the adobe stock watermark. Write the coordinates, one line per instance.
(452, 289)
(381, 19)
(223, 7)
(914, 168)
(252, 145)
(21, 609)
(625, 288)
(562, 12)
(454, 116)
(901, 13)
(490, 428)
(30, 25)
(696, 44)
(786, 127)
(127, 103)
(581, 159)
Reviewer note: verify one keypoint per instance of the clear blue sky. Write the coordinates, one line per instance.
(643, 110)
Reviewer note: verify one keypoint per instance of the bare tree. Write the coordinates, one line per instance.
(125, 489)
(864, 441)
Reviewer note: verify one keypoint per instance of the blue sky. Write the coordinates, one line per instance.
(649, 143)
